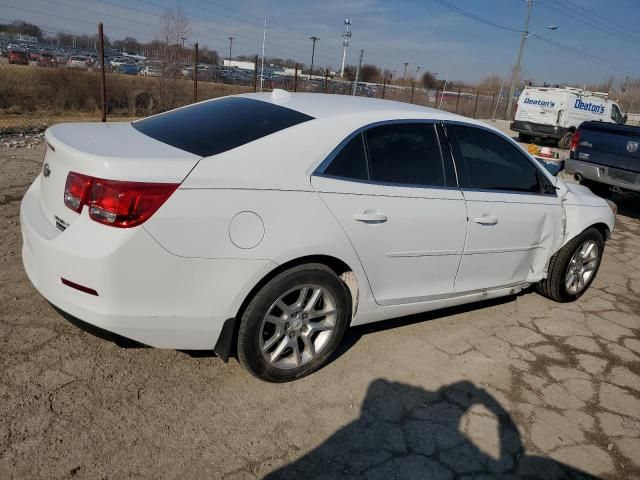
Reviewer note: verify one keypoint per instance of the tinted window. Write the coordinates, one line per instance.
(405, 154)
(216, 126)
(487, 161)
(351, 161)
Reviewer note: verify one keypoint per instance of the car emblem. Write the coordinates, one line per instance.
(632, 147)
(46, 171)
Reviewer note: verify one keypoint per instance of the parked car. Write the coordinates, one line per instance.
(268, 223)
(77, 61)
(151, 70)
(606, 157)
(556, 113)
(17, 57)
(61, 58)
(128, 69)
(47, 60)
(33, 54)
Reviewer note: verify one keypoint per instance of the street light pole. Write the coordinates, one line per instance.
(230, 45)
(516, 70)
(313, 51)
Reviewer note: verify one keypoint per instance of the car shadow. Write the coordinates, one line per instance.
(119, 340)
(628, 204)
(406, 432)
(353, 334)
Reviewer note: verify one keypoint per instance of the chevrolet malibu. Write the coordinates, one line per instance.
(263, 225)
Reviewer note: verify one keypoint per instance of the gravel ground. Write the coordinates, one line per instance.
(522, 386)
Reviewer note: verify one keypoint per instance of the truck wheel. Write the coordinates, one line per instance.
(565, 141)
(524, 138)
(573, 267)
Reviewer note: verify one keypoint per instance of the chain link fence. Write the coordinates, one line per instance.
(45, 84)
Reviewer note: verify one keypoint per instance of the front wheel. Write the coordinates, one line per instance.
(294, 323)
(573, 267)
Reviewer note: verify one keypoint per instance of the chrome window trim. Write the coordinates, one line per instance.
(320, 170)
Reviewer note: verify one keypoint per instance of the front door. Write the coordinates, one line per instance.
(514, 212)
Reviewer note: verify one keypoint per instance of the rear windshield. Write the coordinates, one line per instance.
(216, 126)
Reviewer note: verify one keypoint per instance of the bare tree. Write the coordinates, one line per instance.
(174, 26)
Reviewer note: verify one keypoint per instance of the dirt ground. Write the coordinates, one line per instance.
(513, 388)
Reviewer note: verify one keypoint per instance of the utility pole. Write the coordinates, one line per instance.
(313, 51)
(230, 45)
(355, 84)
(404, 75)
(346, 36)
(264, 41)
(103, 90)
(516, 70)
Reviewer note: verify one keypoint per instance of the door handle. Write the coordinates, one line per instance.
(370, 216)
(487, 220)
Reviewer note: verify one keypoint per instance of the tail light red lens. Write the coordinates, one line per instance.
(575, 140)
(113, 202)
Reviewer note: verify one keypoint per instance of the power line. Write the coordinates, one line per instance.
(582, 9)
(594, 23)
(467, 14)
(587, 56)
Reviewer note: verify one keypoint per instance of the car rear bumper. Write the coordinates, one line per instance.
(538, 129)
(603, 174)
(143, 292)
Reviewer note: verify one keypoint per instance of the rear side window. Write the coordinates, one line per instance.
(398, 154)
(488, 162)
(405, 154)
(216, 126)
(351, 161)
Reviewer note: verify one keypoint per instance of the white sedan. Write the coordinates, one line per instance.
(265, 224)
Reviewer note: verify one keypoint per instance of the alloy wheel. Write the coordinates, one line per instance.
(582, 267)
(297, 326)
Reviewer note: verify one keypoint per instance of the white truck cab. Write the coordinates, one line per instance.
(557, 112)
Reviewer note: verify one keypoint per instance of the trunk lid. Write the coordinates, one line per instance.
(113, 151)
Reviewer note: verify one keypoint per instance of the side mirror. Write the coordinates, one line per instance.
(624, 119)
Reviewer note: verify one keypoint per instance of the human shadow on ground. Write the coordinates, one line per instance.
(406, 432)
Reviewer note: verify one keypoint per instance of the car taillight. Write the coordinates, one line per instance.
(113, 202)
(575, 140)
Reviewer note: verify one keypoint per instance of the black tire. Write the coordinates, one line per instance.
(564, 142)
(249, 353)
(553, 286)
(524, 137)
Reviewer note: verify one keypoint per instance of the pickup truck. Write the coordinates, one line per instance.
(605, 157)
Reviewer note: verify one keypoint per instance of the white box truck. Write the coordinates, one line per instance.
(557, 112)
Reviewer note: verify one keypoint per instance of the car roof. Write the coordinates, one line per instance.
(322, 105)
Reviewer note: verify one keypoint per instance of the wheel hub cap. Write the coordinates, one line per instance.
(582, 267)
(297, 326)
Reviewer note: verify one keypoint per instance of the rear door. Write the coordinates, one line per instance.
(397, 200)
(514, 212)
(539, 106)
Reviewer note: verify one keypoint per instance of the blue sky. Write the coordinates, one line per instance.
(424, 33)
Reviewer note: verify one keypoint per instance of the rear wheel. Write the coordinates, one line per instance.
(565, 141)
(294, 323)
(573, 267)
